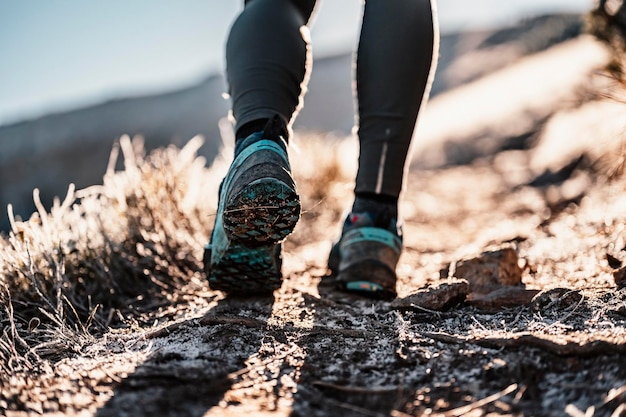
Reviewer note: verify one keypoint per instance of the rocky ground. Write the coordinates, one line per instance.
(511, 298)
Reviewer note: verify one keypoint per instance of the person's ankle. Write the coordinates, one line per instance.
(376, 204)
(272, 129)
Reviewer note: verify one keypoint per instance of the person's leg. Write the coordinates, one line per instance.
(394, 72)
(267, 61)
(266, 65)
(395, 67)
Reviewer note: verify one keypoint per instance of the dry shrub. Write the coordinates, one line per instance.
(324, 167)
(607, 22)
(105, 251)
(121, 248)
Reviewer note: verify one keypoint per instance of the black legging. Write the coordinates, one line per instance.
(268, 59)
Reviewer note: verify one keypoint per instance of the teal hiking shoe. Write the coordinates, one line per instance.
(364, 259)
(258, 208)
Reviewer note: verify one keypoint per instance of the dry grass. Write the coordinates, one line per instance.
(324, 167)
(109, 253)
(607, 22)
(105, 252)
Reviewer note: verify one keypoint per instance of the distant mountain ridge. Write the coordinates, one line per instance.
(73, 147)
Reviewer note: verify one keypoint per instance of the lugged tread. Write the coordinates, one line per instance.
(245, 270)
(265, 212)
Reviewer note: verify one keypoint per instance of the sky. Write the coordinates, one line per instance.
(58, 55)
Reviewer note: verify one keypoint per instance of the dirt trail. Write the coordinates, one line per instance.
(310, 351)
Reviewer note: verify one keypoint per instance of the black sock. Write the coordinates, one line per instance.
(250, 128)
(375, 203)
(273, 129)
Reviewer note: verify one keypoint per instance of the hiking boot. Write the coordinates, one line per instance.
(364, 259)
(258, 208)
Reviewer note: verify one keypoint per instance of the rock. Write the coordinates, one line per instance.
(620, 277)
(613, 262)
(503, 297)
(619, 311)
(490, 269)
(438, 297)
(560, 298)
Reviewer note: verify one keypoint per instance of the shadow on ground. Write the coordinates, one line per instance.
(192, 363)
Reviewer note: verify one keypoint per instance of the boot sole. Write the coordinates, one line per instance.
(265, 212)
(364, 262)
(245, 270)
